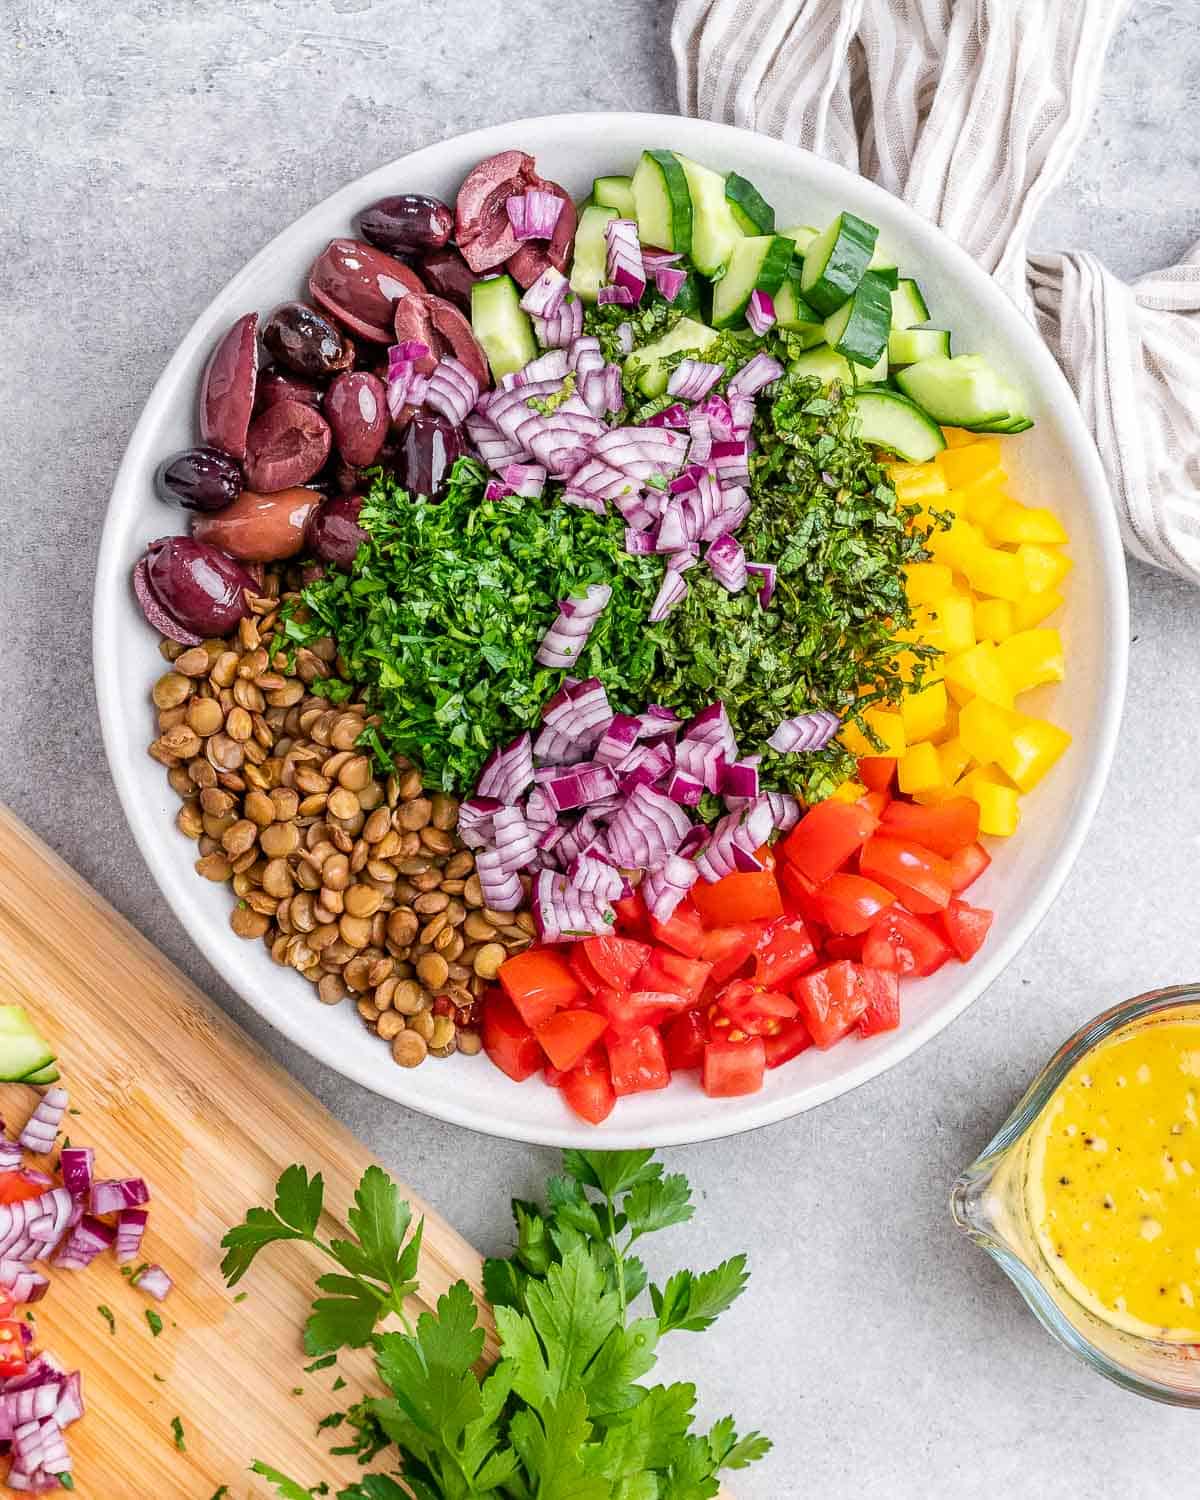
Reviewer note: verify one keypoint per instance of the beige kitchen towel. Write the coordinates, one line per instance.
(970, 110)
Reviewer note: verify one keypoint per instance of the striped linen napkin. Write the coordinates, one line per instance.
(970, 110)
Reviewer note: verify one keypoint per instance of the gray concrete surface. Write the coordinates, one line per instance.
(147, 147)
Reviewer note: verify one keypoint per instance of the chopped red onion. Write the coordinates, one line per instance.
(155, 1281)
(513, 839)
(785, 809)
(700, 433)
(731, 460)
(526, 480)
(735, 507)
(582, 838)
(641, 452)
(620, 295)
(687, 479)
(766, 571)
(560, 331)
(811, 731)
(585, 353)
(687, 557)
(672, 591)
(640, 509)
(496, 490)
(711, 726)
(89, 1237)
(42, 1126)
(475, 815)
(21, 1282)
(533, 214)
(452, 390)
(549, 366)
(684, 789)
(672, 527)
(620, 735)
(506, 773)
(703, 762)
(568, 635)
(501, 888)
(741, 414)
(720, 418)
(734, 840)
(547, 294)
(646, 829)
(623, 265)
(586, 783)
(754, 375)
(10, 1155)
(596, 877)
(740, 780)
(692, 379)
(563, 914)
(670, 416)
(131, 1226)
(579, 710)
(602, 481)
(665, 886)
(76, 1164)
(624, 336)
(669, 281)
(727, 559)
(760, 312)
(704, 507)
(405, 387)
(639, 543)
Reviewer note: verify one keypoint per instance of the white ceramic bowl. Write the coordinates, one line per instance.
(1056, 462)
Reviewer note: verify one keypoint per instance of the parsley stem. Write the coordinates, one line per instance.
(617, 1253)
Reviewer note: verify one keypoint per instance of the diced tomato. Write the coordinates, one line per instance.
(588, 1088)
(750, 897)
(17, 1187)
(789, 1041)
(905, 943)
(826, 837)
(876, 772)
(539, 982)
(945, 828)
(784, 949)
(671, 974)
(747, 1007)
(684, 931)
(875, 803)
(728, 948)
(967, 865)
(568, 1034)
(507, 1040)
(918, 876)
(627, 1011)
(966, 927)
(799, 893)
(637, 1062)
(883, 1002)
(632, 917)
(732, 1069)
(831, 1000)
(843, 945)
(581, 966)
(616, 959)
(850, 903)
(685, 1038)
(12, 1348)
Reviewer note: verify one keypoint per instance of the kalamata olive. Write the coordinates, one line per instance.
(482, 226)
(356, 409)
(430, 447)
(333, 530)
(358, 285)
(447, 275)
(199, 479)
(306, 342)
(227, 388)
(413, 323)
(195, 589)
(535, 256)
(260, 528)
(440, 326)
(406, 224)
(279, 385)
(286, 445)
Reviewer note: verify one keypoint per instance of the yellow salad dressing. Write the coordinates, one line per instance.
(1113, 1186)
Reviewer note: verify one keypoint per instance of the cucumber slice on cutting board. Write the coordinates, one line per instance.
(501, 325)
(588, 267)
(663, 202)
(908, 305)
(859, 328)
(686, 335)
(961, 392)
(615, 192)
(906, 346)
(714, 230)
(827, 364)
(48, 1074)
(890, 420)
(756, 264)
(835, 262)
(751, 211)
(23, 1050)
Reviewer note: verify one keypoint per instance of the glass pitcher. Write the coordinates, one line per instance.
(989, 1205)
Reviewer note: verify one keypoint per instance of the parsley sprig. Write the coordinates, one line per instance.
(564, 1414)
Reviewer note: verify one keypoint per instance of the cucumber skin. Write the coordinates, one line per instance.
(715, 231)
(844, 268)
(679, 199)
(769, 276)
(750, 209)
(929, 438)
(865, 335)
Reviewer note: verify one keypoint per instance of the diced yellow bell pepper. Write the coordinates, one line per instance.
(925, 583)
(1024, 748)
(956, 615)
(916, 483)
(999, 806)
(1034, 608)
(977, 673)
(1044, 567)
(965, 465)
(849, 791)
(993, 619)
(924, 713)
(1032, 657)
(959, 437)
(956, 545)
(918, 768)
(887, 724)
(998, 574)
(1014, 522)
(980, 501)
(954, 758)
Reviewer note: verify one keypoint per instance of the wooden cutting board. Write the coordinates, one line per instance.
(166, 1086)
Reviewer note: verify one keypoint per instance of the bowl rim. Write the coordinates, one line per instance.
(175, 878)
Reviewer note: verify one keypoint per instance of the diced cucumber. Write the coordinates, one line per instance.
(859, 328)
(501, 326)
(794, 314)
(1007, 428)
(751, 211)
(591, 251)
(827, 364)
(686, 335)
(802, 235)
(22, 1049)
(663, 203)
(615, 192)
(884, 266)
(908, 345)
(756, 264)
(714, 232)
(835, 261)
(46, 1075)
(961, 392)
(889, 420)
(908, 306)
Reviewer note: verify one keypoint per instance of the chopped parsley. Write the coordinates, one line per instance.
(318, 1364)
(177, 1434)
(155, 1322)
(107, 1314)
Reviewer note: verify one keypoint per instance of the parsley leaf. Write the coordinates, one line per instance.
(692, 1302)
(297, 1210)
(286, 1488)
